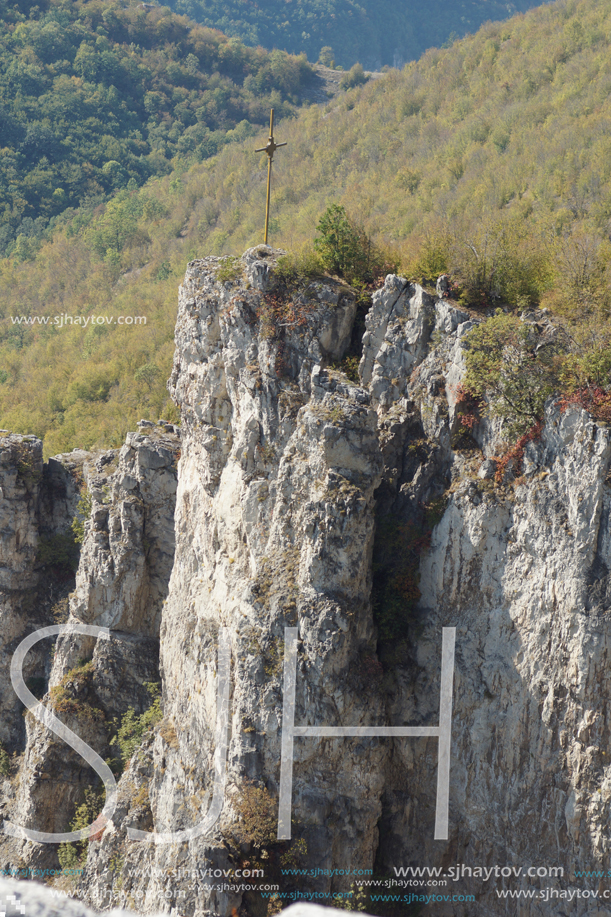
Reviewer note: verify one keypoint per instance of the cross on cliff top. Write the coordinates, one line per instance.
(270, 149)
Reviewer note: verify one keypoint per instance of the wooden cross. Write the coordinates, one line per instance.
(270, 149)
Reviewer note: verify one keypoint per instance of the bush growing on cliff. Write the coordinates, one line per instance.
(59, 551)
(132, 727)
(68, 696)
(346, 250)
(258, 816)
(257, 826)
(230, 268)
(71, 855)
(28, 468)
(514, 366)
(513, 369)
(83, 512)
(5, 763)
(299, 267)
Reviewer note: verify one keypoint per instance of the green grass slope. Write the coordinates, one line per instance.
(490, 158)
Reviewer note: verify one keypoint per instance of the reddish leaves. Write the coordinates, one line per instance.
(468, 408)
(593, 398)
(515, 455)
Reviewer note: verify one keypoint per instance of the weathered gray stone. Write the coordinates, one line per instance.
(258, 264)
(442, 286)
(284, 467)
(37, 505)
(122, 582)
(487, 469)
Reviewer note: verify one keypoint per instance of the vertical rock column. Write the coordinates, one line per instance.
(121, 583)
(274, 529)
(20, 481)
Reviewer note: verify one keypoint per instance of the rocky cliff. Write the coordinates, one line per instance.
(363, 514)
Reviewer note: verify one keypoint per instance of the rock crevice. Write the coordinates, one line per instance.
(272, 512)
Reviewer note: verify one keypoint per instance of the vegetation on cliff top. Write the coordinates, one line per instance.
(487, 159)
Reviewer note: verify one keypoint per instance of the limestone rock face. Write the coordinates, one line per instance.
(20, 474)
(128, 553)
(522, 573)
(121, 583)
(361, 515)
(37, 505)
(274, 529)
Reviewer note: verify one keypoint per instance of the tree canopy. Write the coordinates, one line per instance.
(96, 96)
(488, 159)
(374, 32)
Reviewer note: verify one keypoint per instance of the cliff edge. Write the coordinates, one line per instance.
(300, 509)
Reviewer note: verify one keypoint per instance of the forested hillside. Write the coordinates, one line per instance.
(488, 159)
(374, 32)
(98, 96)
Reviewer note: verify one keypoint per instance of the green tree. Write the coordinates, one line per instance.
(71, 855)
(132, 726)
(345, 248)
(513, 369)
(354, 77)
(326, 56)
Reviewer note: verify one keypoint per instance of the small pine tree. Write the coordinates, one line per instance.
(346, 249)
(132, 727)
(71, 855)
